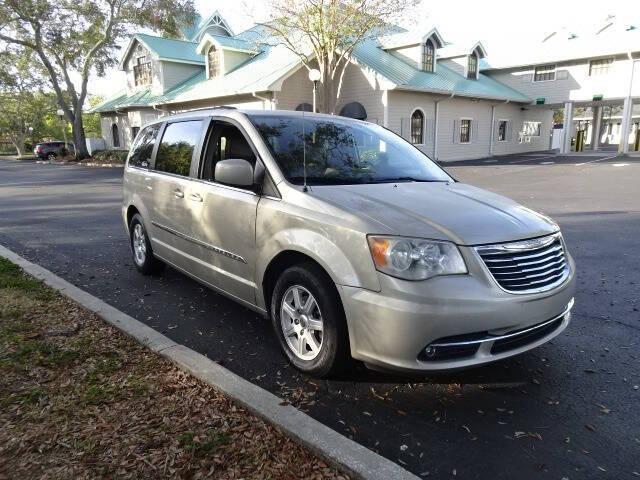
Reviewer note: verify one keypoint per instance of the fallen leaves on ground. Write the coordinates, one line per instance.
(80, 400)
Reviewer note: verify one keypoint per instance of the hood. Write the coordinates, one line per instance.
(457, 212)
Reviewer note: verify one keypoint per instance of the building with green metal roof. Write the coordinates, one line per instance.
(445, 98)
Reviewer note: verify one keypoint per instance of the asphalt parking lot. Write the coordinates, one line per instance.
(566, 410)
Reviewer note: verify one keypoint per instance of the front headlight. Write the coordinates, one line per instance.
(415, 258)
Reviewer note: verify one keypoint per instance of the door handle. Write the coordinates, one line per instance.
(178, 193)
(196, 197)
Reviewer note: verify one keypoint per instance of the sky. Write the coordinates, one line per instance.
(503, 27)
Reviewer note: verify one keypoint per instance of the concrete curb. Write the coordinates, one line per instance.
(333, 447)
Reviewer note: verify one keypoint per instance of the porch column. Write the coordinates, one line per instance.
(568, 127)
(623, 146)
(596, 126)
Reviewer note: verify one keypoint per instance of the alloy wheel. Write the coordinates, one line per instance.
(301, 322)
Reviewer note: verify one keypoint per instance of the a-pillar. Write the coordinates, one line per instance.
(596, 126)
(568, 127)
(623, 146)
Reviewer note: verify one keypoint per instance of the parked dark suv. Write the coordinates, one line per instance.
(51, 150)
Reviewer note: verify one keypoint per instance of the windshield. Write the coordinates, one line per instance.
(341, 151)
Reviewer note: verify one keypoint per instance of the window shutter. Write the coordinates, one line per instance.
(562, 74)
(527, 78)
(456, 131)
(427, 131)
(474, 127)
(404, 128)
(509, 135)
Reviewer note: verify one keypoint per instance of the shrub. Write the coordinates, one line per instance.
(109, 156)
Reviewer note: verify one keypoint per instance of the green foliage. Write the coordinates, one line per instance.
(72, 40)
(110, 156)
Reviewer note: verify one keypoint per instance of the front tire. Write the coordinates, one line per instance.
(51, 157)
(141, 249)
(309, 321)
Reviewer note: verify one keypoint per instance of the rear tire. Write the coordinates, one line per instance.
(141, 250)
(309, 321)
(51, 156)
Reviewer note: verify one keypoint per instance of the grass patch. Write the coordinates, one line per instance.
(81, 400)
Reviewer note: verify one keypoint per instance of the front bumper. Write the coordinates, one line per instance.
(393, 327)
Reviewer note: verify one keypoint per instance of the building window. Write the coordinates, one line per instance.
(600, 67)
(142, 71)
(531, 129)
(417, 127)
(472, 67)
(502, 130)
(465, 131)
(115, 136)
(428, 57)
(213, 61)
(134, 132)
(544, 73)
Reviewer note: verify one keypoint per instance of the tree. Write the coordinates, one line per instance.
(74, 39)
(324, 33)
(24, 106)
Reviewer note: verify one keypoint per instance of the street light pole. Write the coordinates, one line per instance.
(60, 113)
(314, 76)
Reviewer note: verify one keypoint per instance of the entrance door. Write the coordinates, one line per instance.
(225, 216)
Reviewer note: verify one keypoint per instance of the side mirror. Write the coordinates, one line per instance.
(235, 172)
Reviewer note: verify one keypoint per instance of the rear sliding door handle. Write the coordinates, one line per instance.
(178, 193)
(196, 197)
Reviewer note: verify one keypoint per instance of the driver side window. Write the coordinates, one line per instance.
(225, 141)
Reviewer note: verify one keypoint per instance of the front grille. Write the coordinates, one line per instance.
(528, 266)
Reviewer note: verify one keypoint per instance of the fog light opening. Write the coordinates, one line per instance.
(430, 351)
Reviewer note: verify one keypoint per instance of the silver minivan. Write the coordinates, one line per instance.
(352, 241)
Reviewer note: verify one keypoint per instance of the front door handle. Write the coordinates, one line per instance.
(196, 197)
(178, 193)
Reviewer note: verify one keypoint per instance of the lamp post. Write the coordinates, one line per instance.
(60, 113)
(314, 76)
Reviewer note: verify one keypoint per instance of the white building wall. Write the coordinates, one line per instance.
(296, 89)
(361, 86)
(174, 73)
(451, 111)
(156, 69)
(572, 81)
(124, 131)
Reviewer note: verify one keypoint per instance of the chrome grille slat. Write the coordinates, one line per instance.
(556, 256)
(528, 266)
(500, 270)
(523, 257)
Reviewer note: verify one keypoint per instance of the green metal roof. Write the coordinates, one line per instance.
(444, 81)
(171, 49)
(234, 43)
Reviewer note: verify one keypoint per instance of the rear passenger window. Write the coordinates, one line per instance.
(142, 149)
(176, 149)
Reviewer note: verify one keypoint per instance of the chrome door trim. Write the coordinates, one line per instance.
(208, 246)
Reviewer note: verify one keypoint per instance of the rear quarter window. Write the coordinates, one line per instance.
(143, 148)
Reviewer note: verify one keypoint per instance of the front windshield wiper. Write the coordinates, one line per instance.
(405, 179)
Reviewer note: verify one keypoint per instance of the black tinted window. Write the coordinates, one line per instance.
(177, 146)
(142, 149)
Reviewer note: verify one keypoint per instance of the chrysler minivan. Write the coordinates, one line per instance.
(351, 240)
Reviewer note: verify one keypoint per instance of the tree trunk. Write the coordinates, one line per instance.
(79, 138)
(18, 142)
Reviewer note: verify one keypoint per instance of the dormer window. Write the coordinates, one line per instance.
(142, 71)
(213, 62)
(472, 66)
(428, 56)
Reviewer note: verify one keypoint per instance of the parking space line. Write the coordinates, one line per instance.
(530, 159)
(596, 160)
